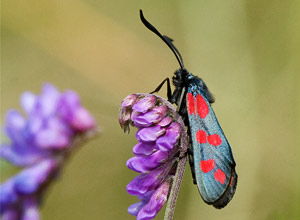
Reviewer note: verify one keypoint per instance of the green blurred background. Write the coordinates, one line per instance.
(248, 53)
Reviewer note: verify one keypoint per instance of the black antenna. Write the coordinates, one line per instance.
(165, 38)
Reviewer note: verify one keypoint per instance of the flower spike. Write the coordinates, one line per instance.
(161, 147)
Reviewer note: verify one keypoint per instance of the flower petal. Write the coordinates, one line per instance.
(129, 101)
(28, 101)
(144, 148)
(144, 183)
(51, 139)
(165, 121)
(135, 208)
(150, 117)
(82, 120)
(150, 133)
(15, 124)
(143, 164)
(21, 155)
(145, 104)
(8, 194)
(72, 111)
(47, 102)
(69, 102)
(34, 123)
(175, 126)
(31, 179)
(168, 141)
(156, 202)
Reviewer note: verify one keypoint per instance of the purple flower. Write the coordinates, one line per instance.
(53, 120)
(156, 154)
(54, 125)
(20, 194)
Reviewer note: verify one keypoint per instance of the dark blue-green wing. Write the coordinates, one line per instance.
(213, 161)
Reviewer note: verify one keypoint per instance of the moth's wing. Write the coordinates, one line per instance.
(213, 161)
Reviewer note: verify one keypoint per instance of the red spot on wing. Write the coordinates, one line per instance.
(207, 165)
(191, 104)
(214, 139)
(220, 176)
(201, 136)
(202, 106)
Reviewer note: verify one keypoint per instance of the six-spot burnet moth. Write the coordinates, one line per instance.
(210, 156)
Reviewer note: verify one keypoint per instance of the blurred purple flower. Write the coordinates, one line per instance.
(157, 152)
(55, 124)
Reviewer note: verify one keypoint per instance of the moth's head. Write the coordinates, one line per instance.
(180, 77)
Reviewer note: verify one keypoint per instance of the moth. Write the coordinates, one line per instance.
(210, 157)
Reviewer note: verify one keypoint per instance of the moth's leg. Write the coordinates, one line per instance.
(169, 92)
